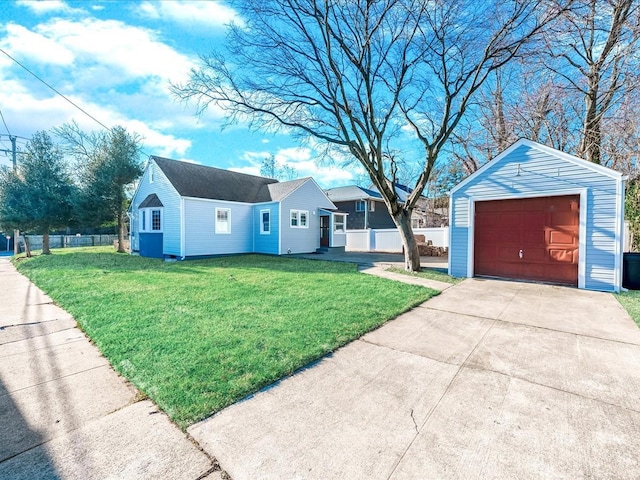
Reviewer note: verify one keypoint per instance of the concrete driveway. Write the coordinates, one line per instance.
(490, 379)
(374, 258)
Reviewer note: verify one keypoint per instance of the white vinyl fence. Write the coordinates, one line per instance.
(388, 239)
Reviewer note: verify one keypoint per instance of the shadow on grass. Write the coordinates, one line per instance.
(115, 262)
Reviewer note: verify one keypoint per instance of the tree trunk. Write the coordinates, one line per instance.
(411, 253)
(589, 148)
(45, 243)
(121, 225)
(27, 247)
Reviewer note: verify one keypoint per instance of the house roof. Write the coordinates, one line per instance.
(351, 192)
(280, 190)
(543, 148)
(200, 181)
(151, 201)
(402, 191)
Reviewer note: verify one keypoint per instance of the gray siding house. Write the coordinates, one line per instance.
(365, 208)
(536, 213)
(183, 210)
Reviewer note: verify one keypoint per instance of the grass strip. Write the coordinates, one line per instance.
(196, 336)
(630, 300)
(429, 273)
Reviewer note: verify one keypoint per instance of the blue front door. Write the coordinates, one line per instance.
(151, 245)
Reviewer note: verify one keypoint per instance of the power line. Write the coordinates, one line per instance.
(56, 91)
(60, 94)
(5, 123)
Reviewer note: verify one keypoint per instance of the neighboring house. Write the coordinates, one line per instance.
(365, 208)
(426, 213)
(536, 213)
(183, 210)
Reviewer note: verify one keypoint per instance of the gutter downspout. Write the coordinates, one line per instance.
(182, 230)
(130, 216)
(366, 214)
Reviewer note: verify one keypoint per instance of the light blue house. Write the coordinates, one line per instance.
(535, 213)
(183, 210)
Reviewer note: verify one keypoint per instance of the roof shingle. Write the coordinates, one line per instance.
(200, 181)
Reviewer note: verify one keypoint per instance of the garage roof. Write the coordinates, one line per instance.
(543, 148)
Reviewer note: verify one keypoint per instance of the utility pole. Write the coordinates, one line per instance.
(16, 233)
(14, 157)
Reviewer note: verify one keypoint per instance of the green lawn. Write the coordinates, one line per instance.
(196, 336)
(631, 302)
(430, 274)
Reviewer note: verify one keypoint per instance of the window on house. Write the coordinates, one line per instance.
(155, 220)
(151, 220)
(223, 220)
(265, 222)
(338, 223)
(150, 173)
(299, 218)
(372, 205)
(361, 205)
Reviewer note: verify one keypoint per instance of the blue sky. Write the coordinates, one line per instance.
(116, 60)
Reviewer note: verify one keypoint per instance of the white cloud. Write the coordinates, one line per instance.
(26, 114)
(293, 156)
(21, 43)
(41, 7)
(111, 63)
(212, 13)
(303, 161)
(128, 51)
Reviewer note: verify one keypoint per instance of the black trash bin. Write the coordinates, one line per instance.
(631, 271)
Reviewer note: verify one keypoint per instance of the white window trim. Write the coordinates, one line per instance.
(149, 219)
(262, 230)
(364, 205)
(228, 230)
(299, 215)
(336, 223)
(143, 220)
(150, 173)
(372, 205)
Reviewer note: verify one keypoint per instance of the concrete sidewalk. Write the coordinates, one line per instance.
(64, 412)
(380, 271)
(374, 259)
(489, 379)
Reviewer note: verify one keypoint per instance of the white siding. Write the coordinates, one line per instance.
(171, 209)
(307, 197)
(199, 226)
(528, 171)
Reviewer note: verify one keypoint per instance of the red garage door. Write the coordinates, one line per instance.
(530, 239)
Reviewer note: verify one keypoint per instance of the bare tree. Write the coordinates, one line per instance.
(363, 76)
(593, 50)
(272, 168)
(519, 101)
